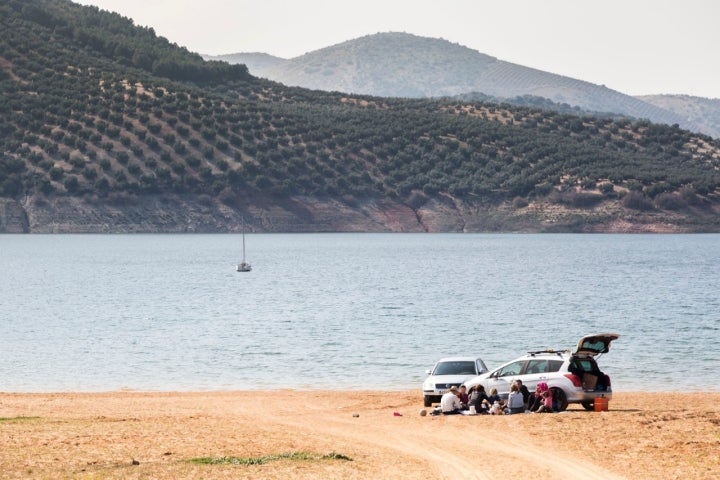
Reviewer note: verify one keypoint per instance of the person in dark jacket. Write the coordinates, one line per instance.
(524, 391)
(479, 399)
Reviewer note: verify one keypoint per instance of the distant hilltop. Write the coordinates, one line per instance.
(396, 64)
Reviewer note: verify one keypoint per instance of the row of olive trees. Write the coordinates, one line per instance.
(121, 128)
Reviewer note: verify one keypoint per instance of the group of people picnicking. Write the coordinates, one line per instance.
(477, 401)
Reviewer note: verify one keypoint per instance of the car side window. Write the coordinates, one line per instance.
(554, 365)
(536, 366)
(511, 369)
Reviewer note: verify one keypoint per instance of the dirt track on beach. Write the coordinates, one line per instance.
(350, 435)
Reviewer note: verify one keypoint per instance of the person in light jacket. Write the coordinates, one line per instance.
(515, 403)
(450, 403)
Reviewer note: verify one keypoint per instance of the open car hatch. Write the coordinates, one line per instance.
(592, 345)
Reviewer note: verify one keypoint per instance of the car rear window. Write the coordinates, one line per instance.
(455, 368)
(584, 364)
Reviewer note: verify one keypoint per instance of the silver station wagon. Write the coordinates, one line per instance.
(573, 377)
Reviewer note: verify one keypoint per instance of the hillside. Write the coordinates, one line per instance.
(396, 64)
(704, 112)
(106, 127)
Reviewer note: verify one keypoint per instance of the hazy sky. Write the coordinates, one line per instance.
(634, 46)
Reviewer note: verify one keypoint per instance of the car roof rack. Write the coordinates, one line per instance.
(559, 353)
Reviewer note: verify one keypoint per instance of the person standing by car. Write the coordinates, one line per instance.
(450, 403)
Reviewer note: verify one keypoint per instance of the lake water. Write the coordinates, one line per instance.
(348, 311)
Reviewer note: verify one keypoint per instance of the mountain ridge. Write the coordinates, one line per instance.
(398, 64)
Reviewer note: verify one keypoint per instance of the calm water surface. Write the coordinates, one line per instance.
(350, 311)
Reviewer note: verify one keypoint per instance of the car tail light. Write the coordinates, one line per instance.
(576, 381)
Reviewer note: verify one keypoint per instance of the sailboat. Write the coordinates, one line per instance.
(244, 266)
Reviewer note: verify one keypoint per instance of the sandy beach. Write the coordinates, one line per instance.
(350, 435)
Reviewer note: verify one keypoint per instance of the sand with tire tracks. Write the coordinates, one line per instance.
(351, 435)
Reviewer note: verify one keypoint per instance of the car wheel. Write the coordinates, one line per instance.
(427, 401)
(588, 405)
(559, 399)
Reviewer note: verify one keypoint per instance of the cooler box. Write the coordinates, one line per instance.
(601, 404)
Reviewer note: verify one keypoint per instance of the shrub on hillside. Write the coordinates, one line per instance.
(519, 202)
(637, 201)
(606, 187)
(670, 201)
(575, 199)
(689, 196)
(417, 200)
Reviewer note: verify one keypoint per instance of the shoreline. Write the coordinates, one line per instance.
(349, 434)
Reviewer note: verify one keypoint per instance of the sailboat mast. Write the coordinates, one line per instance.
(243, 235)
(243, 266)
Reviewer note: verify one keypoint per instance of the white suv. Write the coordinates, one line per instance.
(449, 372)
(573, 377)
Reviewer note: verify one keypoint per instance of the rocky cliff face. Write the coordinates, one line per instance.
(13, 217)
(190, 214)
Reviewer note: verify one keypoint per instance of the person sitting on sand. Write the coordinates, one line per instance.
(450, 403)
(496, 403)
(535, 399)
(496, 408)
(515, 402)
(464, 397)
(479, 399)
(545, 399)
(494, 397)
(524, 391)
